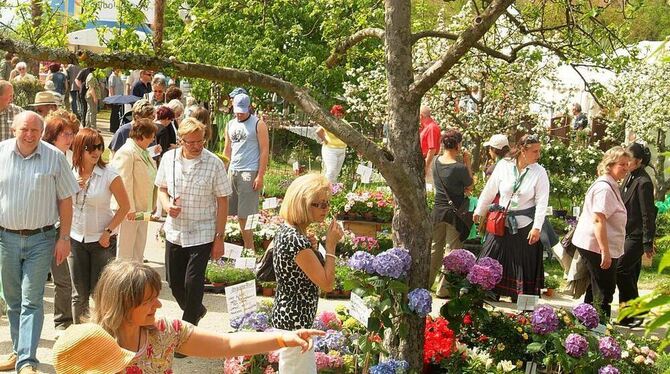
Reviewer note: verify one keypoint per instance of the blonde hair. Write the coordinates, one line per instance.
(191, 125)
(120, 289)
(302, 192)
(610, 158)
(143, 109)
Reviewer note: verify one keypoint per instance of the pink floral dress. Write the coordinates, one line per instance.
(155, 357)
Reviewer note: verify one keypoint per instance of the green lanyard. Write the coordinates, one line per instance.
(519, 180)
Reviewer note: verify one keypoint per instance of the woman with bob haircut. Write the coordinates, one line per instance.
(138, 171)
(298, 267)
(601, 229)
(94, 224)
(126, 301)
(60, 127)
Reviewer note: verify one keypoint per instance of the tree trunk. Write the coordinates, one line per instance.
(159, 18)
(410, 231)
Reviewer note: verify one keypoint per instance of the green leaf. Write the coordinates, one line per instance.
(374, 324)
(665, 262)
(534, 347)
(660, 321)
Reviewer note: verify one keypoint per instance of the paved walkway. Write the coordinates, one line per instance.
(216, 319)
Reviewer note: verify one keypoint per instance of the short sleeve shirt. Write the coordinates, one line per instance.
(197, 188)
(430, 137)
(6, 119)
(603, 197)
(92, 85)
(92, 211)
(297, 296)
(163, 340)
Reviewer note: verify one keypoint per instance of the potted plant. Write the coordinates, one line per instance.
(551, 283)
(268, 288)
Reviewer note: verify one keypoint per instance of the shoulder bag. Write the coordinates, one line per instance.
(495, 220)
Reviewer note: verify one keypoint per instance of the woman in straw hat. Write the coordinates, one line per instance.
(126, 300)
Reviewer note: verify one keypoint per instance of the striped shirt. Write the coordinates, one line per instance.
(6, 119)
(30, 187)
(197, 183)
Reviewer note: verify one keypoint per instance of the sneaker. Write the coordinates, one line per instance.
(179, 355)
(202, 315)
(8, 363)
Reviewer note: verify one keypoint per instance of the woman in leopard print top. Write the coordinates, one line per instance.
(299, 270)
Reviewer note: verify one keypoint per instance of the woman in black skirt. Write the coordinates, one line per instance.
(523, 186)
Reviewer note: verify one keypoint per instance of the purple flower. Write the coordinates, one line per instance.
(420, 301)
(333, 341)
(576, 345)
(459, 261)
(544, 320)
(335, 188)
(362, 261)
(393, 263)
(487, 272)
(587, 315)
(609, 369)
(252, 321)
(609, 347)
(390, 367)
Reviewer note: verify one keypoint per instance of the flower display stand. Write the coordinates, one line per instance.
(363, 228)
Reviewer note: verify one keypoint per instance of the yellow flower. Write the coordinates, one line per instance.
(501, 346)
(519, 329)
(525, 336)
(519, 363)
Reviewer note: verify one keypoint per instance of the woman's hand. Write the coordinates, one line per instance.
(476, 218)
(301, 338)
(334, 234)
(533, 236)
(605, 260)
(104, 239)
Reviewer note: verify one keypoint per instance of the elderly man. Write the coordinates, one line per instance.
(247, 148)
(141, 109)
(430, 136)
(27, 233)
(157, 95)
(7, 110)
(45, 103)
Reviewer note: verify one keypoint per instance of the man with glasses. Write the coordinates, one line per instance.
(247, 148)
(45, 103)
(7, 110)
(194, 188)
(27, 231)
(157, 94)
(142, 86)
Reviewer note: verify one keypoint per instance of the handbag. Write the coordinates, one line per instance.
(265, 270)
(463, 212)
(497, 216)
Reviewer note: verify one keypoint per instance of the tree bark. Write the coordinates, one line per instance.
(412, 230)
(159, 25)
(661, 183)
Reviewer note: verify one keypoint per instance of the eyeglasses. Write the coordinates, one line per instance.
(321, 205)
(91, 148)
(193, 143)
(67, 134)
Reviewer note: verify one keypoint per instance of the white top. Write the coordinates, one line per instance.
(607, 200)
(197, 188)
(533, 191)
(92, 211)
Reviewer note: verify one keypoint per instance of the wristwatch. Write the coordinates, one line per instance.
(108, 230)
(218, 235)
(65, 238)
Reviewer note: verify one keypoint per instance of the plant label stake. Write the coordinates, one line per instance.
(241, 298)
(233, 251)
(252, 222)
(270, 203)
(245, 263)
(527, 302)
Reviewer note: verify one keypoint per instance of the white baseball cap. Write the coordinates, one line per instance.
(241, 103)
(497, 141)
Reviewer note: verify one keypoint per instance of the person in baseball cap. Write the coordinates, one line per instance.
(45, 102)
(237, 91)
(498, 147)
(241, 103)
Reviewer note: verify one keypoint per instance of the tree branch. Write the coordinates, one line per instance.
(450, 36)
(344, 45)
(466, 40)
(587, 85)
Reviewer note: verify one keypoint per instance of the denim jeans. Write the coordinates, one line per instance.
(74, 103)
(24, 264)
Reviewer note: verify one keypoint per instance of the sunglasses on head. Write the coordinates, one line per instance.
(321, 205)
(531, 139)
(90, 148)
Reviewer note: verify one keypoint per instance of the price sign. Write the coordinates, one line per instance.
(241, 298)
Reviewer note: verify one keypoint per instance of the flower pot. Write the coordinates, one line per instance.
(268, 292)
(549, 292)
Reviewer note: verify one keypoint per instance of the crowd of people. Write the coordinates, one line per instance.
(85, 221)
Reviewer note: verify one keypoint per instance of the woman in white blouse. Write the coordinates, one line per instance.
(523, 187)
(93, 235)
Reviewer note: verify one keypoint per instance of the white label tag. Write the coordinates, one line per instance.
(365, 172)
(252, 222)
(550, 211)
(231, 250)
(296, 166)
(353, 186)
(527, 302)
(576, 211)
(531, 367)
(359, 310)
(241, 298)
(270, 203)
(429, 187)
(245, 263)
(600, 329)
(322, 250)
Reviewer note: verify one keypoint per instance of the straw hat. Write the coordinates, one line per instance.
(88, 348)
(45, 98)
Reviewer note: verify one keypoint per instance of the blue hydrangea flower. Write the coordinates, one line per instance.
(394, 263)
(576, 345)
(420, 301)
(362, 261)
(609, 369)
(544, 320)
(587, 315)
(390, 367)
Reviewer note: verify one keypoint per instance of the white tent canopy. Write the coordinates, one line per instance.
(89, 40)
